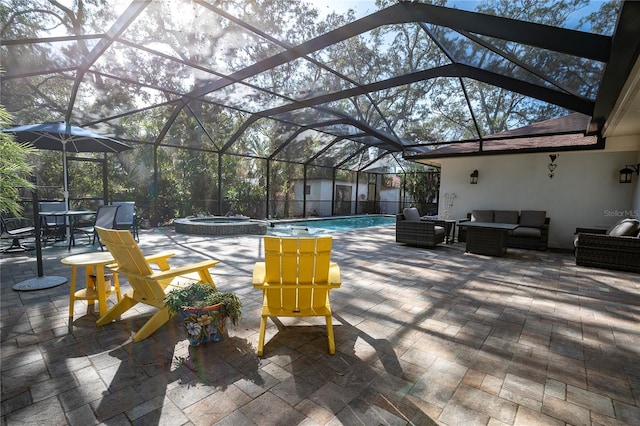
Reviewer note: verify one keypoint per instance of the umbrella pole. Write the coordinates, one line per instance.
(65, 190)
(37, 224)
(41, 281)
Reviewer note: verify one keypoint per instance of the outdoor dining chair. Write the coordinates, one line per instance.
(53, 227)
(148, 286)
(126, 217)
(105, 218)
(296, 279)
(16, 229)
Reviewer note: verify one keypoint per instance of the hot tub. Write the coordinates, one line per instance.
(220, 225)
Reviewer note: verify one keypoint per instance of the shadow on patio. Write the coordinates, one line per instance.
(422, 336)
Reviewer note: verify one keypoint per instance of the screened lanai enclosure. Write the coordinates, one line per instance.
(282, 108)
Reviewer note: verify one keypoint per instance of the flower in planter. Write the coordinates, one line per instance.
(204, 320)
(204, 311)
(193, 328)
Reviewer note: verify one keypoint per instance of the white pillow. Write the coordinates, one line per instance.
(411, 214)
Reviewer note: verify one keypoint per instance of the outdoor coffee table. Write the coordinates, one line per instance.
(487, 238)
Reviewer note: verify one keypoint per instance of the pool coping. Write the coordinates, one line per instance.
(232, 225)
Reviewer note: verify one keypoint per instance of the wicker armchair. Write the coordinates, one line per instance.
(418, 233)
(594, 247)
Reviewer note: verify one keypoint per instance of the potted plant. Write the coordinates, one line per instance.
(204, 311)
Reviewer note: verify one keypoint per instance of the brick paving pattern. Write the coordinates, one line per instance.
(423, 337)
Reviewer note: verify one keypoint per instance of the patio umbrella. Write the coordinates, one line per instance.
(62, 136)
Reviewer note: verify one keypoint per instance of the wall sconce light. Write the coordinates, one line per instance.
(474, 177)
(627, 172)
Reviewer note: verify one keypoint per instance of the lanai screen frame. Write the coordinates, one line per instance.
(479, 28)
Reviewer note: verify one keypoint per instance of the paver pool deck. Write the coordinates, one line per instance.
(423, 337)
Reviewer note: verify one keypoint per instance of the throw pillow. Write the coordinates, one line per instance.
(505, 216)
(482, 216)
(411, 214)
(625, 228)
(532, 218)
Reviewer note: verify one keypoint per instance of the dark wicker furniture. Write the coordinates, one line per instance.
(527, 235)
(487, 237)
(422, 233)
(595, 248)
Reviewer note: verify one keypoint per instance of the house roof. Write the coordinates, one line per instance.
(558, 134)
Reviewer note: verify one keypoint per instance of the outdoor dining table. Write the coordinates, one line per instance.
(67, 214)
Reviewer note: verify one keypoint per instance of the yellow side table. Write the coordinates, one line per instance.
(94, 264)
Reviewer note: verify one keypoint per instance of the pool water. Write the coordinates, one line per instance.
(327, 225)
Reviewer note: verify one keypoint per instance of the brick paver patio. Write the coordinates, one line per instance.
(423, 337)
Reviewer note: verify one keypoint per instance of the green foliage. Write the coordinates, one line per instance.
(173, 169)
(14, 169)
(422, 187)
(201, 295)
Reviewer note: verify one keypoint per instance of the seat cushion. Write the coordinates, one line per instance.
(532, 218)
(439, 230)
(525, 231)
(505, 216)
(625, 228)
(482, 216)
(412, 214)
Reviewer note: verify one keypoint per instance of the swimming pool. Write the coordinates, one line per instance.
(327, 225)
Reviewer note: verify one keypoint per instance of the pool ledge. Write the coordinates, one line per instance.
(220, 225)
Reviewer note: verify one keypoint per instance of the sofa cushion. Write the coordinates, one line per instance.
(482, 216)
(526, 231)
(532, 218)
(505, 216)
(411, 214)
(625, 228)
(439, 230)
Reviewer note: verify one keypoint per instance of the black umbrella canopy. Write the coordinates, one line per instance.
(62, 136)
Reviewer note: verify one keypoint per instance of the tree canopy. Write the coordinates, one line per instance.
(230, 97)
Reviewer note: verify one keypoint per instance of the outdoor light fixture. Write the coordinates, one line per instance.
(626, 173)
(474, 177)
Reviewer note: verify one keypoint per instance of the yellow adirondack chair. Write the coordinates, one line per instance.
(147, 286)
(296, 278)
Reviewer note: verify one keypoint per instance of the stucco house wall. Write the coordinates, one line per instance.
(584, 191)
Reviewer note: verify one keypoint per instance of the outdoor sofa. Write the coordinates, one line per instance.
(615, 248)
(414, 230)
(532, 232)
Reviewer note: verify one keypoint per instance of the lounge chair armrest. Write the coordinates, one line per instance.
(182, 270)
(160, 259)
(334, 275)
(259, 274)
